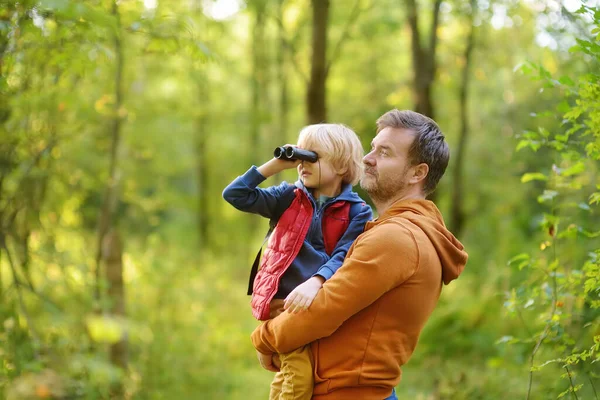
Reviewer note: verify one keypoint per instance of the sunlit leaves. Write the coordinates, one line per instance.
(521, 260)
(105, 329)
(533, 176)
(81, 13)
(575, 148)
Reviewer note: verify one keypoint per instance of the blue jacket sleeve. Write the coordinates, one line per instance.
(245, 195)
(355, 228)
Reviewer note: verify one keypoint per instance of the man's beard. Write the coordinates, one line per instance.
(382, 190)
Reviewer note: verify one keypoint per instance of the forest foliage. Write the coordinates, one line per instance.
(123, 273)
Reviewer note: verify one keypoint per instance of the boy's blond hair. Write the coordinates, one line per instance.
(339, 145)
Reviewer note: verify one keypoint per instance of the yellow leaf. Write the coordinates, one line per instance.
(105, 329)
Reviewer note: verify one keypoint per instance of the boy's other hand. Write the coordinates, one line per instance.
(302, 297)
(266, 361)
(276, 361)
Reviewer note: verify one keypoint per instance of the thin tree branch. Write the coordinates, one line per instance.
(354, 14)
(32, 331)
(520, 315)
(593, 388)
(38, 294)
(546, 331)
(289, 46)
(458, 213)
(33, 163)
(571, 382)
(433, 38)
(413, 21)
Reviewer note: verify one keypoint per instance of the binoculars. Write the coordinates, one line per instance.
(292, 153)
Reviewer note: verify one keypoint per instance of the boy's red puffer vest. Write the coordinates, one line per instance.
(285, 243)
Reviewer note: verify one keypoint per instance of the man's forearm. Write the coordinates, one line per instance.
(363, 278)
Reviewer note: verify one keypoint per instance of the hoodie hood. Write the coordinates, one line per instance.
(425, 215)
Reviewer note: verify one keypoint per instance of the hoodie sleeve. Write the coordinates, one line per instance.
(245, 195)
(370, 270)
(355, 228)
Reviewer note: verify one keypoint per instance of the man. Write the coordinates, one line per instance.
(366, 320)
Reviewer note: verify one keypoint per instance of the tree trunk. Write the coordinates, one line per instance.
(4, 153)
(112, 251)
(109, 206)
(424, 62)
(316, 104)
(109, 250)
(282, 77)
(257, 79)
(423, 59)
(202, 165)
(258, 89)
(457, 218)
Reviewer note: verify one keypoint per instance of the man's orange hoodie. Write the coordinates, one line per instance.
(366, 319)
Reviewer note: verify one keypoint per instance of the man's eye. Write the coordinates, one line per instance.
(383, 153)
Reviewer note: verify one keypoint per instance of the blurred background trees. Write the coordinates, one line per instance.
(122, 271)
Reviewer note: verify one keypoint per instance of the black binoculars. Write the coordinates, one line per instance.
(292, 153)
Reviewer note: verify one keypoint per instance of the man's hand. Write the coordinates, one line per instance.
(302, 297)
(270, 362)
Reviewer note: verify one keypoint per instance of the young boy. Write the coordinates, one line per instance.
(317, 219)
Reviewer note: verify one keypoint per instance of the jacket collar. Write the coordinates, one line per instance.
(345, 195)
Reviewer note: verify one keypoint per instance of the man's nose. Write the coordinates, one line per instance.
(369, 159)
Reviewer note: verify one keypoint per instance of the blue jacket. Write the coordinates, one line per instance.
(245, 195)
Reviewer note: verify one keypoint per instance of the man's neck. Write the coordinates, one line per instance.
(383, 206)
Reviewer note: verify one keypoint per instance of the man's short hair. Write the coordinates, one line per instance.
(429, 146)
(337, 144)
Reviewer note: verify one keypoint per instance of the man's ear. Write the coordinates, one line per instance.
(419, 173)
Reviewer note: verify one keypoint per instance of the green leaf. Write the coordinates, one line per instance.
(575, 49)
(522, 144)
(518, 257)
(533, 144)
(544, 72)
(557, 145)
(562, 138)
(533, 176)
(563, 107)
(520, 260)
(574, 169)
(573, 114)
(526, 67)
(565, 80)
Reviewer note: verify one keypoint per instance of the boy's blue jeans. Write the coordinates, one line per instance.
(392, 396)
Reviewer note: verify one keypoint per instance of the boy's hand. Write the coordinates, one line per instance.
(302, 297)
(276, 362)
(276, 165)
(267, 361)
